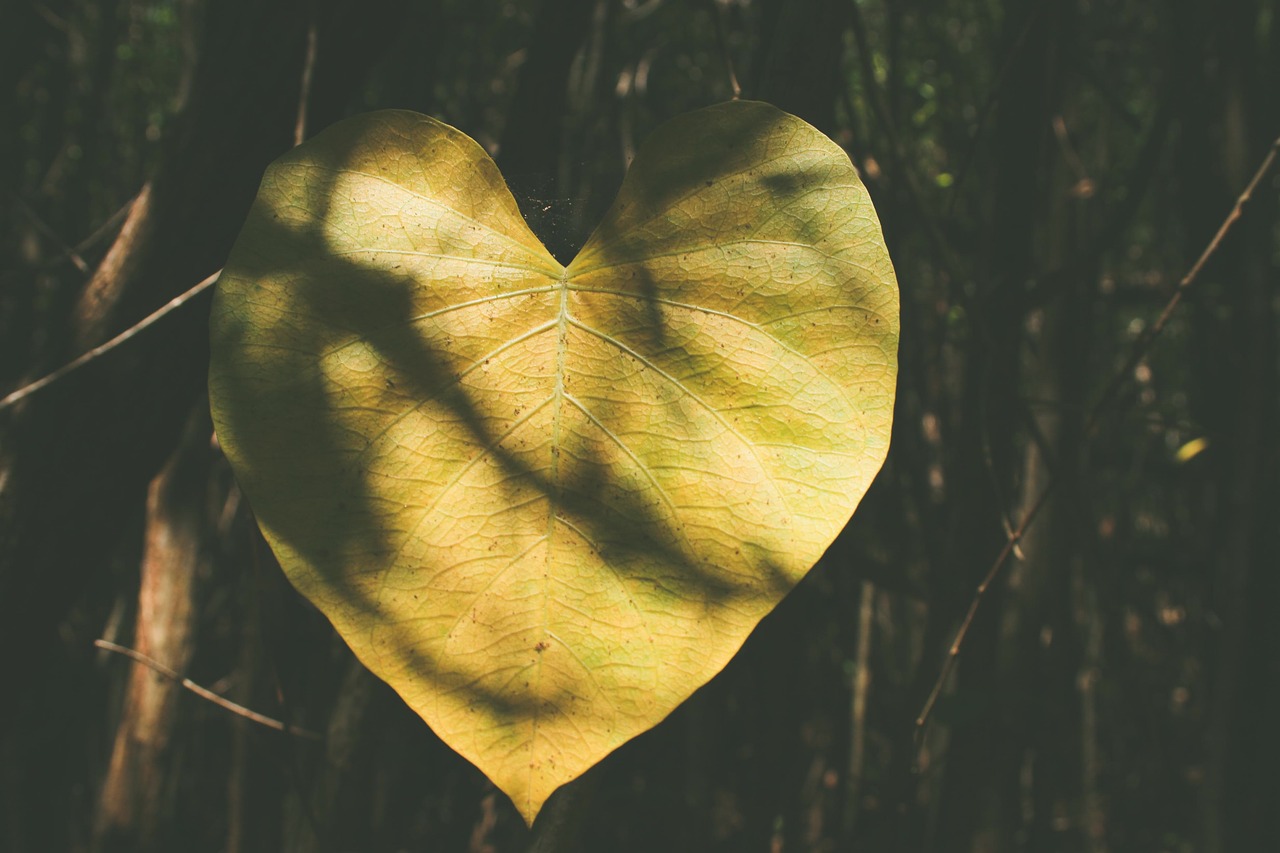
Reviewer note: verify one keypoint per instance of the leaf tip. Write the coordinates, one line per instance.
(527, 803)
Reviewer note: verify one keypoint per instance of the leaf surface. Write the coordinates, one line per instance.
(546, 504)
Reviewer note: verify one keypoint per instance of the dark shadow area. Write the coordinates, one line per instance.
(552, 217)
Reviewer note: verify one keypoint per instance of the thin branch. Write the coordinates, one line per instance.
(102, 349)
(1149, 334)
(308, 71)
(953, 653)
(722, 42)
(108, 227)
(75, 253)
(988, 457)
(1117, 380)
(204, 692)
(51, 235)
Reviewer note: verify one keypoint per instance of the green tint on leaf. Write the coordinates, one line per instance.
(546, 504)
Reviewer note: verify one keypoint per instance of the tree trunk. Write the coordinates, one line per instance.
(978, 805)
(1241, 405)
(801, 58)
(135, 808)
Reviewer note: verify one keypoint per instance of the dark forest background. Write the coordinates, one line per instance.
(1046, 172)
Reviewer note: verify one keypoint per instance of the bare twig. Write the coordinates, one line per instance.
(953, 653)
(47, 230)
(1139, 349)
(102, 349)
(722, 42)
(988, 458)
(1149, 334)
(108, 227)
(308, 71)
(204, 692)
(74, 254)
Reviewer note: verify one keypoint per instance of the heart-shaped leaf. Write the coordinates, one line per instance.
(546, 504)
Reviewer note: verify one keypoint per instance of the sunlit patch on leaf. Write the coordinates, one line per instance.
(546, 504)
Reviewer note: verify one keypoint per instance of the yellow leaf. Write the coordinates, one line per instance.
(1191, 450)
(546, 504)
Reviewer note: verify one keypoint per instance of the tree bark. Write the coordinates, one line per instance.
(134, 808)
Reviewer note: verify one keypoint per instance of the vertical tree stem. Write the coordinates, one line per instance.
(858, 709)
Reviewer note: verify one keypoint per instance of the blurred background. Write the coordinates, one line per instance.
(1046, 172)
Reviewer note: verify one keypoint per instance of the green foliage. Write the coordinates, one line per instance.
(547, 503)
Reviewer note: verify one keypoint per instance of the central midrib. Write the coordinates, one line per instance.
(554, 498)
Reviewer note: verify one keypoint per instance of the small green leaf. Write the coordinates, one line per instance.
(546, 504)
